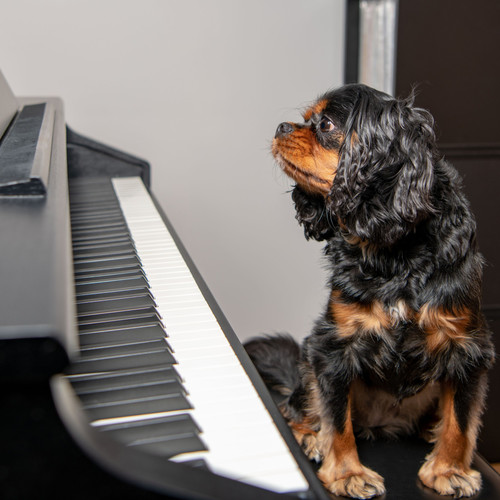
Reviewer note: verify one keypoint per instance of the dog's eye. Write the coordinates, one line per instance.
(326, 125)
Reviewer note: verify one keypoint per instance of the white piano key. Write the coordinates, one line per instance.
(242, 438)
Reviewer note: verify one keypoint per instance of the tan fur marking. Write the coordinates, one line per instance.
(350, 318)
(344, 447)
(453, 445)
(340, 453)
(316, 109)
(342, 472)
(442, 327)
(305, 161)
(447, 468)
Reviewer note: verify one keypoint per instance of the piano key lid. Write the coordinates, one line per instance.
(25, 151)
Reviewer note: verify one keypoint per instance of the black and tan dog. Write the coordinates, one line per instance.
(402, 345)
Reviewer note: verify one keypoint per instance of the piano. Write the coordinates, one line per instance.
(120, 376)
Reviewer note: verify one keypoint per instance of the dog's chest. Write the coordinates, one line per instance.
(393, 359)
(397, 362)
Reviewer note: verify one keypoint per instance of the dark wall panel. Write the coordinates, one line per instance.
(449, 49)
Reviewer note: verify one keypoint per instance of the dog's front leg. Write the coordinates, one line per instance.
(448, 467)
(341, 472)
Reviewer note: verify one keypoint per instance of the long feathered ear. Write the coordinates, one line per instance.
(384, 182)
(313, 215)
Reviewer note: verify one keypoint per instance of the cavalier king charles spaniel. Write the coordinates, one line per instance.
(401, 346)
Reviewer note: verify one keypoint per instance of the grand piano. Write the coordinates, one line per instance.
(120, 376)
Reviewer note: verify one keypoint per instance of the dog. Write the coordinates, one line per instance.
(402, 346)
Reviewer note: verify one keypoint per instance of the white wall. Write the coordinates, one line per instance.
(197, 87)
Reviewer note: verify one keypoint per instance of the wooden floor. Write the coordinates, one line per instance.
(496, 467)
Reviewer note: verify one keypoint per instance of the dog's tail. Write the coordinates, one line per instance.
(277, 360)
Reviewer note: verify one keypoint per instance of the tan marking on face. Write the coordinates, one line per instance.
(305, 161)
(316, 109)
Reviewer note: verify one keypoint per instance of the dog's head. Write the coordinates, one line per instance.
(362, 162)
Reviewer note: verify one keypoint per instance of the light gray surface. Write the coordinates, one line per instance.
(8, 104)
(198, 87)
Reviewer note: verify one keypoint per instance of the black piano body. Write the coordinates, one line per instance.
(49, 449)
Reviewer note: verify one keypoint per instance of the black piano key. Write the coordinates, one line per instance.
(165, 436)
(89, 216)
(106, 261)
(90, 353)
(134, 360)
(109, 274)
(130, 378)
(140, 402)
(165, 403)
(85, 197)
(143, 312)
(171, 425)
(79, 205)
(109, 265)
(104, 240)
(135, 292)
(126, 394)
(106, 243)
(116, 305)
(105, 277)
(197, 463)
(103, 250)
(170, 446)
(113, 241)
(113, 223)
(112, 270)
(97, 323)
(97, 221)
(79, 235)
(82, 237)
(124, 336)
(106, 365)
(92, 276)
(100, 239)
(111, 284)
(105, 256)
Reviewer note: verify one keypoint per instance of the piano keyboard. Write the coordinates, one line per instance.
(156, 370)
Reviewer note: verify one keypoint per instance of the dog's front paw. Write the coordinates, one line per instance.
(308, 440)
(310, 447)
(363, 484)
(450, 480)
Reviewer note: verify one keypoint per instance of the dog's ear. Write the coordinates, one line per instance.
(313, 215)
(384, 182)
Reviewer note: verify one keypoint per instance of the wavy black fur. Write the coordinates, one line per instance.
(277, 359)
(398, 230)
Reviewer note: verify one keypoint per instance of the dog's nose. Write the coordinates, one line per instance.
(283, 129)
